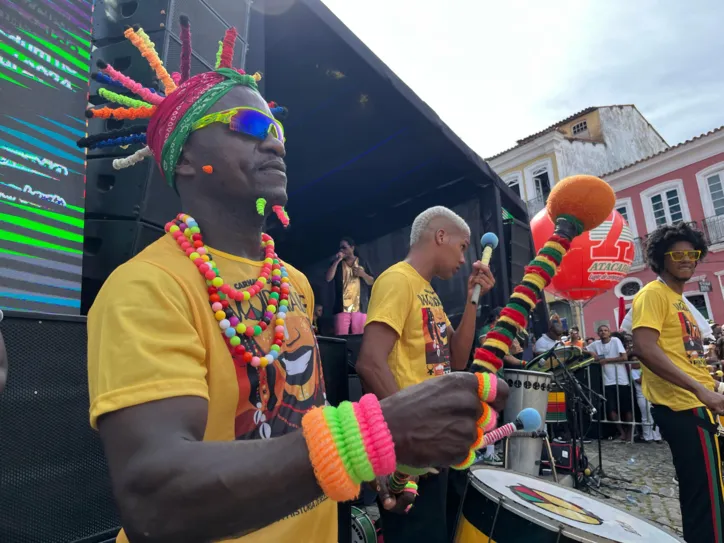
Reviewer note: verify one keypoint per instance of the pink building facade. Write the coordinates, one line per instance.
(682, 183)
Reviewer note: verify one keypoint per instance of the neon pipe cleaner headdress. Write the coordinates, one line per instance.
(185, 99)
(576, 204)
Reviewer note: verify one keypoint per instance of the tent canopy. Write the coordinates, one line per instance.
(364, 153)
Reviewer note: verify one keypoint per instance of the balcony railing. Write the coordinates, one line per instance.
(535, 205)
(714, 229)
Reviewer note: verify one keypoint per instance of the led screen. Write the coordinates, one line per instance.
(44, 66)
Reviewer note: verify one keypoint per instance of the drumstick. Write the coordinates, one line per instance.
(527, 420)
(489, 241)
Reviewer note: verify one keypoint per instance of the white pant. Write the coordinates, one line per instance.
(651, 432)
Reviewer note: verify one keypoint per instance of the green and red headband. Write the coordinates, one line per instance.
(172, 114)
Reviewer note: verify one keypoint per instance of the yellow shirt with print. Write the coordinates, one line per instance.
(407, 303)
(152, 335)
(658, 307)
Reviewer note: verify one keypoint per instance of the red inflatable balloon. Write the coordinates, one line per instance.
(597, 260)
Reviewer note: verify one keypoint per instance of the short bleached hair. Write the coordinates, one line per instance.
(424, 220)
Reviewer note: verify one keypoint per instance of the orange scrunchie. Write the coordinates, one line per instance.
(328, 467)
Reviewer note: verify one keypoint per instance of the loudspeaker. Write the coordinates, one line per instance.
(54, 484)
(354, 344)
(139, 192)
(333, 352)
(126, 209)
(209, 21)
(519, 249)
(107, 244)
(563, 457)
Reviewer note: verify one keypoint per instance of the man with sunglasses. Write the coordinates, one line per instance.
(676, 381)
(202, 360)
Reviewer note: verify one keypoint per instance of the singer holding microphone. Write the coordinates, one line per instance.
(408, 339)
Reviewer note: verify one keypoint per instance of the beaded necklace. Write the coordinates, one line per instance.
(185, 230)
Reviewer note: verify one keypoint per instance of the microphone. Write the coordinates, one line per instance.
(527, 420)
(489, 241)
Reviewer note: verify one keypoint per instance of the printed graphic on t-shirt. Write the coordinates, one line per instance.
(272, 401)
(693, 344)
(434, 330)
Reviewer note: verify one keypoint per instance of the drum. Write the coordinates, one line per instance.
(561, 355)
(556, 406)
(527, 389)
(506, 507)
(363, 529)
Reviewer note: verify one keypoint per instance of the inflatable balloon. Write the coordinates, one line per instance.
(575, 205)
(597, 260)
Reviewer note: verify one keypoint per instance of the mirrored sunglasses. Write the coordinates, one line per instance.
(245, 120)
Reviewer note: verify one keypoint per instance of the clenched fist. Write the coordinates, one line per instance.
(434, 423)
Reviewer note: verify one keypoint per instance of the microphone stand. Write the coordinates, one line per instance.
(570, 383)
(579, 397)
(600, 401)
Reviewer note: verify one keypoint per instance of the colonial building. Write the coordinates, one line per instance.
(681, 183)
(593, 141)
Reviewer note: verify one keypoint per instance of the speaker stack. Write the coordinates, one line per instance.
(54, 484)
(126, 209)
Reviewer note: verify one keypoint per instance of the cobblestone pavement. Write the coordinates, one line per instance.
(647, 488)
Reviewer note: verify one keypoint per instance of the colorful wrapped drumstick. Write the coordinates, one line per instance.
(576, 204)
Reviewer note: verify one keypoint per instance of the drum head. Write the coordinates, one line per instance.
(563, 355)
(555, 507)
(363, 530)
(526, 374)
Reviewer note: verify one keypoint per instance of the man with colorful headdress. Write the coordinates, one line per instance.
(202, 362)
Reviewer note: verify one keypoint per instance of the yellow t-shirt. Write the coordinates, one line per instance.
(152, 335)
(407, 303)
(658, 307)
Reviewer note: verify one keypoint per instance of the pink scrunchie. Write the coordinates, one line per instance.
(376, 435)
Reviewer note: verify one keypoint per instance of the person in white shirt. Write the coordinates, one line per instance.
(610, 352)
(651, 431)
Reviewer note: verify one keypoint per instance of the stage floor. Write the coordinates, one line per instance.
(652, 468)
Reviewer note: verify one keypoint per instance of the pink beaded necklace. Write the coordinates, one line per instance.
(185, 230)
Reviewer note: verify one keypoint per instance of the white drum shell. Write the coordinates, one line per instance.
(524, 453)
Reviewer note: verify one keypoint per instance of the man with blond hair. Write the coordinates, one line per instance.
(408, 339)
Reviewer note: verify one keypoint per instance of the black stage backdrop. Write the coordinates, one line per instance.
(386, 250)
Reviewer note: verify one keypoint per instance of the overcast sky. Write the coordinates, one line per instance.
(520, 66)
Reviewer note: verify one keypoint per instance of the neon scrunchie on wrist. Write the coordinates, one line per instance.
(465, 464)
(377, 436)
(348, 445)
(329, 469)
(398, 481)
(355, 443)
(335, 429)
(487, 386)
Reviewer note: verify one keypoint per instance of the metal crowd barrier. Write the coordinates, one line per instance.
(647, 426)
